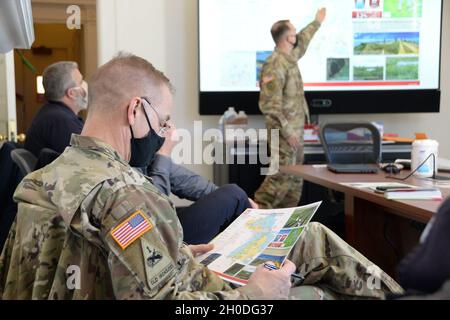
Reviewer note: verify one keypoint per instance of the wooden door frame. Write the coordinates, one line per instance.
(54, 11)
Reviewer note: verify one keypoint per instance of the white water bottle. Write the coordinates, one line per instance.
(421, 150)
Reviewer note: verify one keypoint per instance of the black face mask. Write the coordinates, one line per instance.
(143, 150)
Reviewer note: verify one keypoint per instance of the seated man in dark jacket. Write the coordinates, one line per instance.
(66, 95)
(425, 272)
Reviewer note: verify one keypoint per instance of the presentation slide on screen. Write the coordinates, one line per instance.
(362, 45)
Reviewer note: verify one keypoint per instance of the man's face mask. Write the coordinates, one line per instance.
(143, 150)
(292, 41)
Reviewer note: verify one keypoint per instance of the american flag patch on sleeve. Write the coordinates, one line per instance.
(131, 229)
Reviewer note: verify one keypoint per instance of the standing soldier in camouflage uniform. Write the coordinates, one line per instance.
(91, 227)
(282, 101)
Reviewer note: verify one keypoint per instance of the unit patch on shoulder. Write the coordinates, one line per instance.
(158, 265)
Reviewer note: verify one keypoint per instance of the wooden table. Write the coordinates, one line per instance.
(381, 229)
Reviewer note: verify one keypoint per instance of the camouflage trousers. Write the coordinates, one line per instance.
(281, 190)
(334, 270)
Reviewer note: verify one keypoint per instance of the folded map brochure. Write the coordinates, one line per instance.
(254, 238)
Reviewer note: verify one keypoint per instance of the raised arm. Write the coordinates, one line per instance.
(305, 36)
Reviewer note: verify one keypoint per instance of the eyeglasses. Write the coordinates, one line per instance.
(163, 123)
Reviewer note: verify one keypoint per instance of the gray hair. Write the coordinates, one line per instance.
(57, 79)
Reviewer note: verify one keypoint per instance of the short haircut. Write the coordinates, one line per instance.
(58, 78)
(122, 78)
(279, 29)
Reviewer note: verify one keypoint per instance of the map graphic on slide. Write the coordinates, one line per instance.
(403, 8)
(402, 68)
(387, 43)
(368, 73)
(261, 57)
(353, 50)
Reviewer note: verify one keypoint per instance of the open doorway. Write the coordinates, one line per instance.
(55, 41)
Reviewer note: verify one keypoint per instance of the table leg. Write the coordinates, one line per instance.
(350, 220)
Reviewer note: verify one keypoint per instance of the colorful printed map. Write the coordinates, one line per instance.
(255, 238)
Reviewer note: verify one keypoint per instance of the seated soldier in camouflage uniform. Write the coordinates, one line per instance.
(91, 227)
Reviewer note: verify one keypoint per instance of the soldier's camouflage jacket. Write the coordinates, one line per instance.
(63, 246)
(282, 99)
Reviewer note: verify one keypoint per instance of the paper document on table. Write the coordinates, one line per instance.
(429, 182)
(414, 194)
(398, 191)
(256, 237)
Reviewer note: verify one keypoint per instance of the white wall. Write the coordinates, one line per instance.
(54, 11)
(165, 32)
(3, 106)
(136, 26)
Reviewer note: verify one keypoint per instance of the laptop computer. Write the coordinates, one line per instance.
(353, 168)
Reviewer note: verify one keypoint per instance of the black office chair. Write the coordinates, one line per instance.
(10, 177)
(351, 143)
(24, 159)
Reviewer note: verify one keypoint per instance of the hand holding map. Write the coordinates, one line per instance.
(255, 238)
